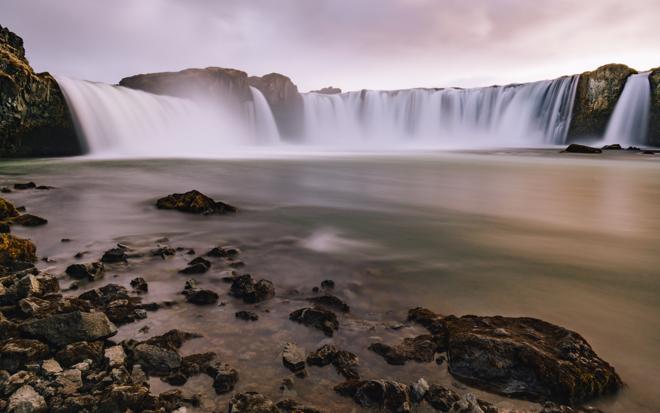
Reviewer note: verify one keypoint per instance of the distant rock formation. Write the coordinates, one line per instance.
(205, 83)
(595, 99)
(34, 117)
(284, 100)
(654, 123)
(330, 90)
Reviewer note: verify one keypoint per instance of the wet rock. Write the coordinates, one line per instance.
(345, 362)
(63, 329)
(321, 319)
(224, 252)
(139, 284)
(328, 285)
(197, 266)
(101, 297)
(26, 400)
(194, 202)
(293, 358)
(441, 398)
(115, 356)
(576, 148)
(173, 339)
(418, 390)
(247, 315)
(14, 249)
(29, 220)
(468, 403)
(387, 395)
(78, 352)
(195, 364)
(163, 251)
(330, 302)
(25, 185)
(120, 398)
(251, 402)
(7, 209)
(123, 311)
(427, 319)
(201, 297)
(92, 271)
(16, 353)
(291, 406)
(156, 360)
(614, 146)
(526, 357)
(421, 349)
(114, 255)
(251, 292)
(224, 379)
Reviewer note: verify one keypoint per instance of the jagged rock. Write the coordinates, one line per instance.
(284, 100)
(321, 319)
(224, 378)
(387, 395)
(441, 398)
(293, 358)
(595, 98)
(223, 252)
(428, 319)
(115, 356)
(7, 210)
(576, 148)
(251, 402)
(29, 220)
(468, 403)
(114, 255)
(26, 400)
(418, 390)
(13, 249)
(251, 292)
(92, 271)
(37, 307)
(194, 202)
(156, 360)
(345, 362)
(78, 352)
(526, 357)
(139, 284)
(34, 116)
(101, 297)
(291, 406)
(194, 364)
(201, 297)
(421, 349)
(120, 398)
(16, 353)
(70, 381)
(51, 367)
(63, 329)
(330, 302)
(247, 315)
(173, 339)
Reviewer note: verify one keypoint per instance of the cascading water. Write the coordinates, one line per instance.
(119, 121)
(530, 114)
(630, 119)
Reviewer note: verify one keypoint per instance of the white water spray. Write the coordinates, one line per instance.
(261, 117)
(630, 120)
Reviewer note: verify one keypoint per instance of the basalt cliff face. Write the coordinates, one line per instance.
(284, 99)
(34, 117)
(595, 98)
(654, 126)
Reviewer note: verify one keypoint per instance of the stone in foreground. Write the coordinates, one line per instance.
(13, 249)
(194, 202)
(528, 358)
(63, 329)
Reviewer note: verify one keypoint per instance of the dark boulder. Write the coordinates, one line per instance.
(140, 285)
(331, 302)
(223, 252)
(526, 357)
(428, 319)
(7, 210)
(251, 402)
(292, 406)
(194, 202)
(114, 255)
(421, 349)
(612, 147)
(318, 318)
(293, 358)
(201, 297)
(386, 395)
(77, 352)
(63, 329)
(345, 362)
(29, 220)
(251, 292)
(92, 271)
(173, 339)
(197, 266)
(577, 148)
(224, 378)
(156, 360)
(328, 91)
(16, 353)
(247, 315)
(441, 398)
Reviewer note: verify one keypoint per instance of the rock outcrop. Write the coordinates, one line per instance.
(654, 124)
(34, 116)
(284, 100)
(595, 99)
(330, 90)
(205, 84)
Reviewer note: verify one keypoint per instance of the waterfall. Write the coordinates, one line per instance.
(262, 118)
(529, 114)
(630, 120)
(119, 121)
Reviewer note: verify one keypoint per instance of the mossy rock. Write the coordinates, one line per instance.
(13, 249)
(7, 209)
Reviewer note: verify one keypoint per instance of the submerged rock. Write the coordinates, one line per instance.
(576, 148)
(197, 266)
(526, 357)
(194, 202)
(323, 320)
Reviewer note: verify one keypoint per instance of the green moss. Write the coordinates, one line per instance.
(13, 249)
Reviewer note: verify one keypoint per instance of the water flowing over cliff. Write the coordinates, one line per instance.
(529, 114)
(630, 119)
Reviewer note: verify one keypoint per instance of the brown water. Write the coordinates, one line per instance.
(571, 239)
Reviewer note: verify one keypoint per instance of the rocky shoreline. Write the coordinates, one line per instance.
(58, 350)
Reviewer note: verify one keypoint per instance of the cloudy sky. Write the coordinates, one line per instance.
(352, 44)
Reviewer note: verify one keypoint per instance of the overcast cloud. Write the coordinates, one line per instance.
(353, 44)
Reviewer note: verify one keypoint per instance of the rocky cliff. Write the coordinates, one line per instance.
(285, 102)
(207, 83)
(34, 117)
(654, 125)
(595, 98)
(330, 90)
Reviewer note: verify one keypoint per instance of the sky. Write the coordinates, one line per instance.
(351, 44)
